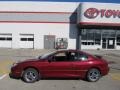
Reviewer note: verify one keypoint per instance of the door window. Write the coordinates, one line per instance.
(69, 56)
(76, 56)
(61, 56)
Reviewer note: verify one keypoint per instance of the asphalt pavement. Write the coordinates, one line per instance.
(112, 56)
(9, 56)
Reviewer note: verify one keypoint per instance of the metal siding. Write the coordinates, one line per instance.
(39, 17)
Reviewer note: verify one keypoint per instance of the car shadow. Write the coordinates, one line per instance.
(60, 79)
(50, 78)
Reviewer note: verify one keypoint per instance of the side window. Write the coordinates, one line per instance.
(76, 56)
(72, 56)
(69, 56)
(82, 57)
(60, 57)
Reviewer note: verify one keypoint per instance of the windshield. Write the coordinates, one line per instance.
(44, 56)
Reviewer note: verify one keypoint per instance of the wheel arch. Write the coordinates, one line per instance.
(93, 68)
(28, 68)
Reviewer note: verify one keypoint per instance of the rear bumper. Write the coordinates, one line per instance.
(105, 71)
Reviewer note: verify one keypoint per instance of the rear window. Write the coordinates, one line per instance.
(82, 57)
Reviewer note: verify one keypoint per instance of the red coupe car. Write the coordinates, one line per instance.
(61, 64)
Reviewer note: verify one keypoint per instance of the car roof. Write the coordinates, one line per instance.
(65, 50)
(74, 50)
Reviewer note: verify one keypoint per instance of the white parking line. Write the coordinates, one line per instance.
(3, 76)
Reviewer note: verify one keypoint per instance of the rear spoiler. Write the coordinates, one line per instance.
(98, 56)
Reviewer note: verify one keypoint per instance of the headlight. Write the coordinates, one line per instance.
(14, 64)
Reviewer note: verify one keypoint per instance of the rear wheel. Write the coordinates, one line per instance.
(93, 75)
(30, 75)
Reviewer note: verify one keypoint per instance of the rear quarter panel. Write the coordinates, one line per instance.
(82, 67)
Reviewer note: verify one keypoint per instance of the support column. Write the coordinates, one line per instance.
(78, 39)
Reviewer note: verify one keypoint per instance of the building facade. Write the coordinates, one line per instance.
(68, 25)
(100, 25)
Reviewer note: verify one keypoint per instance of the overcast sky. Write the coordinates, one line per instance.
(107, 1)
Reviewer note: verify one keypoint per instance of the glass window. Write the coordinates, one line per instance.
(108, 33)
(23, 39)
(2, 38)
(84, 34)
(44, 56)
(76, 56)
(30, 39)
(118, 39)
(97, 37)
(27, 39)
(84, 43)
(97, 34)
(97, 41)
(118, 43)
(90, 43)
(91, 37)
(72, 56)
(8, 39)
(82, 57)
(61, 56)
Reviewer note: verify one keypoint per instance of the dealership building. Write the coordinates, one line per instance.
(66, 25)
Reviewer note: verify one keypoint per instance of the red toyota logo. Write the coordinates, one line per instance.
(91, 13)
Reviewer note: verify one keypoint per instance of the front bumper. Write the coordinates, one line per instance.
(13, 76)
(15, 73)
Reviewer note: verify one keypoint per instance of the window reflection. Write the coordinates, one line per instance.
(91, 37)
(96, 36)
(118, 38)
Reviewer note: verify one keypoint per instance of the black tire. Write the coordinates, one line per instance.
(93, 75)
(30, 75)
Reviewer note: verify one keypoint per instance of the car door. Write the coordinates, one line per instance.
(60, 66)
(80, 64)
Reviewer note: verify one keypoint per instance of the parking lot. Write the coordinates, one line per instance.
(109, 82)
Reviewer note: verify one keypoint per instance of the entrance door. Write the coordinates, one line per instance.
(108, 43)
(49, 41)
(59, 66)
(111, 43)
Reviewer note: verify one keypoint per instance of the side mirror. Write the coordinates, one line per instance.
(98, 56)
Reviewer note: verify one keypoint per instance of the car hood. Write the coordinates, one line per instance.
(27, 60)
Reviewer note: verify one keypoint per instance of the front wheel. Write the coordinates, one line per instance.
(30, 75)
(93, 75)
